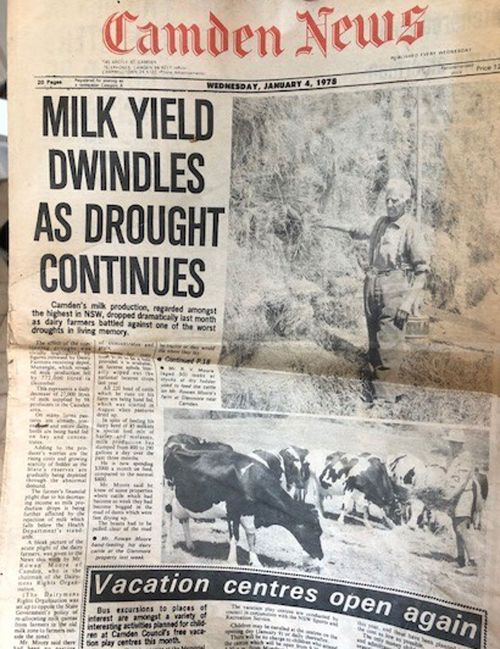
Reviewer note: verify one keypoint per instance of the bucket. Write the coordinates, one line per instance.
(417, 328)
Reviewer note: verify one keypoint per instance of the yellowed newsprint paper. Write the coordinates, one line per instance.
(253, 325)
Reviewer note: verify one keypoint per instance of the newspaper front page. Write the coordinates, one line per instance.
(253, 334)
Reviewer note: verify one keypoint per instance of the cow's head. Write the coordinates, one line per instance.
(395, 511)
(307, 530)
(297, 470)
(419, 515)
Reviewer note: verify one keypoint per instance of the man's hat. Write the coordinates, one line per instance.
(456, 435)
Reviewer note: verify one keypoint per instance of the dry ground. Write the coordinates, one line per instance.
(416, 561)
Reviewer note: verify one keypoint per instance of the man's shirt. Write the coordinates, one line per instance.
(398, 244)
(456, 474)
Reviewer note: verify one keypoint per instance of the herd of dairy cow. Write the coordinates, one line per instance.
(265, 488)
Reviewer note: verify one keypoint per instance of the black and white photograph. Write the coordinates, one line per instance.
(361, 246)
(377, 503)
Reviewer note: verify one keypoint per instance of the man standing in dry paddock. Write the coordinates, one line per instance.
(395, 278)
(461, 491)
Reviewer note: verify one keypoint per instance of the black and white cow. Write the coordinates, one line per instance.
(363, 481)
(295, 474)
(411, 475)
(249, 491)
(405, 470)
(297, 471)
